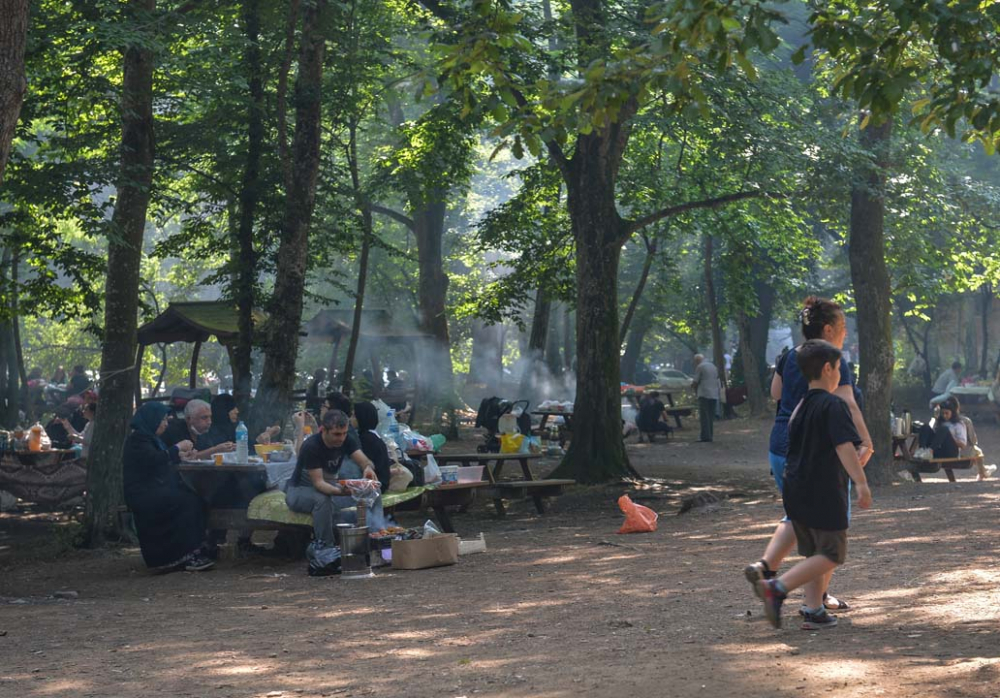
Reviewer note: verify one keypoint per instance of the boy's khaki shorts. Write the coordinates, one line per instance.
(813, 541)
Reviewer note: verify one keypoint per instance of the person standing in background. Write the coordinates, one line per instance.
(706, 388)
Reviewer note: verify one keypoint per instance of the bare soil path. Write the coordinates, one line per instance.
(559, 606)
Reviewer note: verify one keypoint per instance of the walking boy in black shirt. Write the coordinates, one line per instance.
(821, 455)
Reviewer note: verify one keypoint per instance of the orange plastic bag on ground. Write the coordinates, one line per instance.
(638, 519)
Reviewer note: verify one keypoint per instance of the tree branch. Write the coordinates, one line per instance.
(438, 9)
(396, 215)
(640, 223)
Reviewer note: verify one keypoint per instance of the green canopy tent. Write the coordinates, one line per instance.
(193, 322)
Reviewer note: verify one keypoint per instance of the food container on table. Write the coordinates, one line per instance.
(470, 473)
(261, 449)
(449, 474)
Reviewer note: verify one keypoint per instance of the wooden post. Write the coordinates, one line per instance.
(138, 370)
(332, 368)
(193, 376)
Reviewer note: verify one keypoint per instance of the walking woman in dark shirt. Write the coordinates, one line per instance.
(169, 517)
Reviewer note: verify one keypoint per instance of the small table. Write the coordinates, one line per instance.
(528, 487)
(902, 447)
(564, 429)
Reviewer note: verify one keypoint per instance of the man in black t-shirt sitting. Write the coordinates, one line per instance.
(325, 458)
(651, 415)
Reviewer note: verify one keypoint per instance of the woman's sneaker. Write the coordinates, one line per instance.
(199, 563)
(818, 621)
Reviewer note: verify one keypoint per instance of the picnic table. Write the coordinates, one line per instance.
(537, 490)
(977, 401)
(903, 447)
(565, 429)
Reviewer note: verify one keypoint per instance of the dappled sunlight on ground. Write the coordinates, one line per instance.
(558, 606)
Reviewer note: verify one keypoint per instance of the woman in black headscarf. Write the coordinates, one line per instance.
(169, 517)
(225, 416)
(371, 443)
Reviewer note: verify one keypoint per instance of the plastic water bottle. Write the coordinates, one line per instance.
(242, 443)
(394, 430)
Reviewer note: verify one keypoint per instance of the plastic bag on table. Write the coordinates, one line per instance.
(432, 473)
(531, 444)
(431, 529)
(323, 558)
(437, 441)
(511, 443)
(366, 491)
(400, 478)
(414, 440)
(638, 519)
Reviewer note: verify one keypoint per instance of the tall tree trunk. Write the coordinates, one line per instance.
(596, 452)
(121, 294)
(986, 296)
(435, 386)
(15, 322)
(569, 333)
(751, 362)
(13, 39)
(284, 156)
(553, 347)
(8, 375)
(535, 354)
(245, 261)
(647, 264)
(640, 326)
(713, 311)
(486, 364)
(872, 296)
(278, 375)
(365, 212)
(760, 324)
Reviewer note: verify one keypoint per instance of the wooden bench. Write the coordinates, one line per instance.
(949, 465)
(677, 413)
(522, 489)
(537, 490)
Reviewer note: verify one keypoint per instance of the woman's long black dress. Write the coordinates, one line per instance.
(169, 517)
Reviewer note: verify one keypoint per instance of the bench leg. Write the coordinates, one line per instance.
(916, 475)
(677, 418)
(951, 474)
(442, 516)
(498, 503)
(539, 504)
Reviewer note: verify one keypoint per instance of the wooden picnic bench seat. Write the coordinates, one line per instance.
(932, 465)
(269, 511)
(499, 489)
(522, 489)
(678, 412)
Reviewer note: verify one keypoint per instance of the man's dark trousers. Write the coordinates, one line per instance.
(706, 415)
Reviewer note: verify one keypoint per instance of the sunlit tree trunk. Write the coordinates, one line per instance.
(872, 296)
(278, 375)
(121, 294)
(13, 39)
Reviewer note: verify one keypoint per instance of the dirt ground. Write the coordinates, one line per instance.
(559, 605)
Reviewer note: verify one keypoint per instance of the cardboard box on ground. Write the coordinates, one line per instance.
(436, 551)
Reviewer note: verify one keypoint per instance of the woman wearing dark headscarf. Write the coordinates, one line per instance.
(169, 517)
(225, 417)
(371, 443)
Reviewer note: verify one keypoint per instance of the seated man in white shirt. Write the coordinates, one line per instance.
(945, 382)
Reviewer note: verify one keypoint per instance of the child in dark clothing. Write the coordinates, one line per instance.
(821, 456)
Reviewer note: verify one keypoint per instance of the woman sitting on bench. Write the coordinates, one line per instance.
(952, 435)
